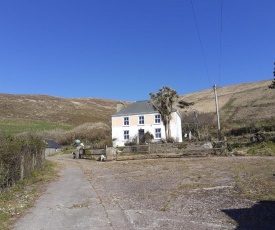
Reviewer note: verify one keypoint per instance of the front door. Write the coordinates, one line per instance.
(140, 136)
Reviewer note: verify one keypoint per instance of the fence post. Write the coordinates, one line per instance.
(32, 161)
(22, 167)
(106, 152)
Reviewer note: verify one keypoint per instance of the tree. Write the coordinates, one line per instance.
(184, 104)
(163, 100)
(272, 86)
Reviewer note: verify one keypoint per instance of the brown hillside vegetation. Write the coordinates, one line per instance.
(237, 103)
(72, 111)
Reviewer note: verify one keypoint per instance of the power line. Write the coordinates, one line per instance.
(220, 58)
(200, 41)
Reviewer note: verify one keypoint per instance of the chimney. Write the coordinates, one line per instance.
(119, 106)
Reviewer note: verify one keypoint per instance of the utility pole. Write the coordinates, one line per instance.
(217, 111)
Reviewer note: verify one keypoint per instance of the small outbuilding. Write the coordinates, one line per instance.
(52, 147)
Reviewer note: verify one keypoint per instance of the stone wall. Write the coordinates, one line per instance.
(178, 149)
(158, 148)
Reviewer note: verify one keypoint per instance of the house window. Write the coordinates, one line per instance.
(126, 120)
(157, 119)
(126, 134)
(158, 133)
(141, 120)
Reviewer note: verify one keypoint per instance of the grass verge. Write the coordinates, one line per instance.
(14, 126)
(14, 201)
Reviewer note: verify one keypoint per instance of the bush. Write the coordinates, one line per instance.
(170, 140)
(19, 155)
(130, 143)
(147, 137)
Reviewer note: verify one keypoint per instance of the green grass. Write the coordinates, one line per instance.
(14, 201)
(229, 105)
(262, 149)
(68, 151)
(14, 126)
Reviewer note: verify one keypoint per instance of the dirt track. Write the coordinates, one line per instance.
(180, 193)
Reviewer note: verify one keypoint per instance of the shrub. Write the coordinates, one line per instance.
(147, 137)
(170, 140)
(19, 155)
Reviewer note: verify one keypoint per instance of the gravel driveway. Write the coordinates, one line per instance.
(180, 193)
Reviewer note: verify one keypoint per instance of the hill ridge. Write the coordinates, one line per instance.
(251, 101)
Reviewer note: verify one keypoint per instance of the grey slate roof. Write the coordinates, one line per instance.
(139, 107)
(136, 108)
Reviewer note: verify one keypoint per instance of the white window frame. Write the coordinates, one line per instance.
(126, 135)
(126, 121)
(157, 119)
(158, 133)
(141, 120)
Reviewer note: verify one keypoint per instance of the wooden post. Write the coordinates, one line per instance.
(22, 167)
(106, 147)
(32, 161)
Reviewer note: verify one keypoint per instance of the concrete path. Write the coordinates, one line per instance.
(120, 195)
(71, 202)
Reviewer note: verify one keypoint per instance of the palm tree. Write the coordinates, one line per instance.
(163, 100)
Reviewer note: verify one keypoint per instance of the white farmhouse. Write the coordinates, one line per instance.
(130, 123)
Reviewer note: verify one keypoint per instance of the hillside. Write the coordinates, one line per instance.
(237, 103)
(55, 109)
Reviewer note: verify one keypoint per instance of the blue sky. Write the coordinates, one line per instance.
(125, 49)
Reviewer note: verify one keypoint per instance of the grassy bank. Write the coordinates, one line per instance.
(14, 126)
(14, 201)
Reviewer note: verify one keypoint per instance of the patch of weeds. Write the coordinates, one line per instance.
(197, 178)
(15, 200)
(182, 145)
(83, 205)
(192, 212)
(254, 181)
(262, 149)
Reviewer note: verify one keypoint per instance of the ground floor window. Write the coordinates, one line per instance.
(158, 133)
(126, 134)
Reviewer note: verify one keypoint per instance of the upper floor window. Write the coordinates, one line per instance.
(126, 134)
(141, 120)
(157, 119)
(157, 133)
(126, 120)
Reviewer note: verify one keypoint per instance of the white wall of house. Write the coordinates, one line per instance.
(175, 125)
(149, 125)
